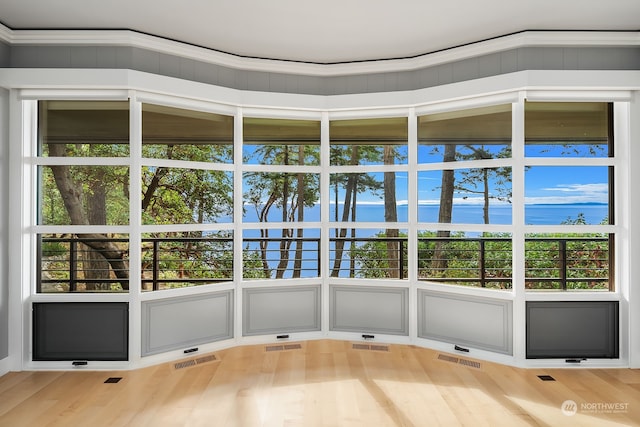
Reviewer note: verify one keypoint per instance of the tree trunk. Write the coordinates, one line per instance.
(114, 256)
(72, 196)
(485, 192)
(94, 264)
(350, 191)
(152, 187)
(297, 262)
(285, 244)
(439, 263)
(352, 244)
(391, 215)
(263, 214)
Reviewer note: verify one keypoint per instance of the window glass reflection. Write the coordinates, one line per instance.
(463, 135)
(281, 142)
(369, 141)
(568, 129)
(179, 134)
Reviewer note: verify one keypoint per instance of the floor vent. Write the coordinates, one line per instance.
(293, 346)
(185, 364)
(281, 347)
(469, 363)
(194, 362)
(113, 380)
(546, 378)
(205, 359)
(459, 361)
(374, 347)
(447, 358)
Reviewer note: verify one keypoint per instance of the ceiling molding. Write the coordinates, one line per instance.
(170, 47)
(6, 34)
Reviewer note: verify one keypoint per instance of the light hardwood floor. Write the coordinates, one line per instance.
(322, 383)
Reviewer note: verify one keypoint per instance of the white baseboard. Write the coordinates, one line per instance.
(4, 366)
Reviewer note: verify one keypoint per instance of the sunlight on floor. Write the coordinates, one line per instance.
(302, 405)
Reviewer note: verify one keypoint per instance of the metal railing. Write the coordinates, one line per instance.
(481, 261)
(180, 261)
(569, 263)
(72, 264)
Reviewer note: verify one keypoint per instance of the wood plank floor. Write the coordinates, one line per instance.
(322, 383)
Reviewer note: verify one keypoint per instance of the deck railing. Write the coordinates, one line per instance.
(72, 264)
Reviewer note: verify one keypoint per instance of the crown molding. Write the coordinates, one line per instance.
(6, 34)
(130, 38)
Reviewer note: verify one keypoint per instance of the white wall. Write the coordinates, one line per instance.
(4, 205)
(630, 197)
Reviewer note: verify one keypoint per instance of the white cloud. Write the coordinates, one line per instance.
(572, 194)
(580, 188)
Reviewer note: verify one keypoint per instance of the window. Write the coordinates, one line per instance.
(82, 263)
(569, 129)
(368, 141)
(181, 259)
(281, 197)
(358, 196)
(269, 141)
(561, 188)
(83, 180)
(468, 259)
(281, 253)
(473, 134)
(363, 197)
(83, 129)
(458, 229)
(179, 134)
(368, 253)
(186, 196)
(567, 261)
(465, 177)
(187, 179)
(474, 196)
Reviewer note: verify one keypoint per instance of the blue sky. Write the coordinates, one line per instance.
(566, 184)
(543, 184)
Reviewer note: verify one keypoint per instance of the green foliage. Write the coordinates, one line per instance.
(586, 258)
(187, 259)
(112, 181)
(212, 153)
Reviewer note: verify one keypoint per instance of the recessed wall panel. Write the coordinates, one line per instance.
(572, 329)
(177, 323)
(482, 323)
(278, 310)
(80, 331)
(382, 310)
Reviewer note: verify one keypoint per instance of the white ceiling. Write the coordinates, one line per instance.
(327, 31)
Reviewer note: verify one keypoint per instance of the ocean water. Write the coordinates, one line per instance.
(464, 214)
(468, 214)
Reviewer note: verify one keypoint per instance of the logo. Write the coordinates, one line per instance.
(569, 408)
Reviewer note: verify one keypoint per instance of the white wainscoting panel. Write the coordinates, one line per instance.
(282, 309)
(382, 310)
(482, 323)
(178, 323)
